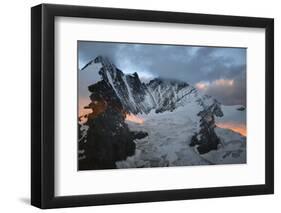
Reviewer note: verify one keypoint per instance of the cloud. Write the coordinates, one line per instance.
(227, 91)
(192, 64)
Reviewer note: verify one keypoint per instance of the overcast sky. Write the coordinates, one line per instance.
(220, 72)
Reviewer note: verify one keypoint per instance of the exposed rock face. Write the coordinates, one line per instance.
(242, 108)
(169, 94)
(107, 138)
(207, 139)
(132, 93)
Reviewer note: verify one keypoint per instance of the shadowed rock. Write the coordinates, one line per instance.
(207, 140)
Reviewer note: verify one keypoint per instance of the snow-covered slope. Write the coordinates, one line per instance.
(168, 142)
(170, 94)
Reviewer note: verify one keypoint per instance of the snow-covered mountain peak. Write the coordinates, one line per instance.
(159, 94)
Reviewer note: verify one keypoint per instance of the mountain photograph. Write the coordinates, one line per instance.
(160, 105)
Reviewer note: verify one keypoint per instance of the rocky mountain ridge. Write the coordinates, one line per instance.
(117, 94)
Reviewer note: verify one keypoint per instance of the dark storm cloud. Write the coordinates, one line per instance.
(230, 94)
(187, 63)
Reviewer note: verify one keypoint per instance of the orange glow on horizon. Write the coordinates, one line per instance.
(83, 101)
(133, 118)
(82, 113)
(239, 128)
(219, 82)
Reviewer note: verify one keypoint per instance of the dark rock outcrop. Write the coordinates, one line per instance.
(139, 135)
(107, 138)
(207, 140)
(241, 108)
(132, 93)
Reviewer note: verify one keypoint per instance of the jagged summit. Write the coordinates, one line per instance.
(159, 80)
(158, 95)
(99, 59)
(132, 93)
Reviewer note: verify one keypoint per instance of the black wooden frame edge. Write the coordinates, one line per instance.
(42, 105)
(36, 23)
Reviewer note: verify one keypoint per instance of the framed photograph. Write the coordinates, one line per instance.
(139, 106)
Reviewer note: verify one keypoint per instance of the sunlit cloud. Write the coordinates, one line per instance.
(223, 82)
(226, 91)
(202, 85)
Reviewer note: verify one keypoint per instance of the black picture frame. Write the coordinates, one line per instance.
(43, 117)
